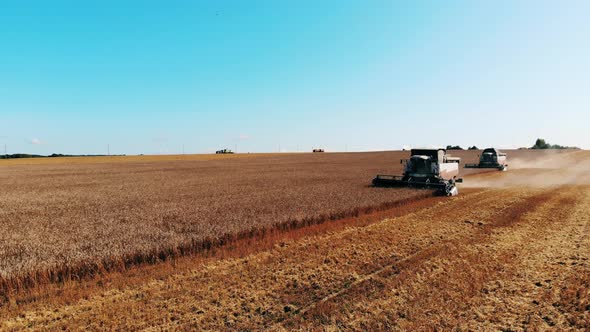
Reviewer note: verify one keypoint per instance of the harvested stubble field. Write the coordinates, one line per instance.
(84, 215)
(504, 255)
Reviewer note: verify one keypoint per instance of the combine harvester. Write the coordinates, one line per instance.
(224, 151)
(428, 169)
(491, 158)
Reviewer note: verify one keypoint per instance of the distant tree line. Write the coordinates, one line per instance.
(541, 144)
(457, 147)
(53, 155)
(454, 147)
(20, 155)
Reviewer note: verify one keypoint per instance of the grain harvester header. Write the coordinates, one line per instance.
(426, 168)
(491, 158)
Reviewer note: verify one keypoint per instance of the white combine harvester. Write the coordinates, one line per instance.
(491, 158)
(426, 168)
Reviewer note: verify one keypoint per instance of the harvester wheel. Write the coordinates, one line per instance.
(452, 191)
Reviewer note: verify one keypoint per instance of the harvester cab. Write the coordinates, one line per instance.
(426, 168)
(491, 158)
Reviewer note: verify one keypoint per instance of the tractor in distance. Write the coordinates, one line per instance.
(224, 151)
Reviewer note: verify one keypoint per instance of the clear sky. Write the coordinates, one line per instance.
(152, 76)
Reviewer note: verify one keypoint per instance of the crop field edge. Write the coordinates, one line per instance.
(12, 286)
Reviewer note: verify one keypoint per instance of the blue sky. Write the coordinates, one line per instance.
(153, 76)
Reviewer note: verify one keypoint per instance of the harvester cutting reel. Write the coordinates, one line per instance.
(443, 187)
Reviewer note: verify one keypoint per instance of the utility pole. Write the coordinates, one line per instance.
(5, 150)
(108, 149)
(183, 149)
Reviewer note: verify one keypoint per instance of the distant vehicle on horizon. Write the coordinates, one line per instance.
(318, 150)
(224, 151)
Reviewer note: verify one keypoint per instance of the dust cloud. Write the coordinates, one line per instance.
(545, 170)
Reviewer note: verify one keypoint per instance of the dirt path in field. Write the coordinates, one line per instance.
(511, 258)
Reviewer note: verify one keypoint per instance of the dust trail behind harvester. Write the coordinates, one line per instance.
(549, 169)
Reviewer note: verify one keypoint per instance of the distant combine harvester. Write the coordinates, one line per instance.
(224, 151)
(318, 150)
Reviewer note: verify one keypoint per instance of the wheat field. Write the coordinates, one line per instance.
(65, 218)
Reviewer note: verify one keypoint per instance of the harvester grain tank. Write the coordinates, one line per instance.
(491, 158)
(426, 168)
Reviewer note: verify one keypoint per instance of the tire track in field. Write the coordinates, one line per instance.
(289, 277)
(466, 207)
(503, 218)
(435, 289)
(550, 286)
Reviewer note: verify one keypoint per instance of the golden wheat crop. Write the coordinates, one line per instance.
(67, 220)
